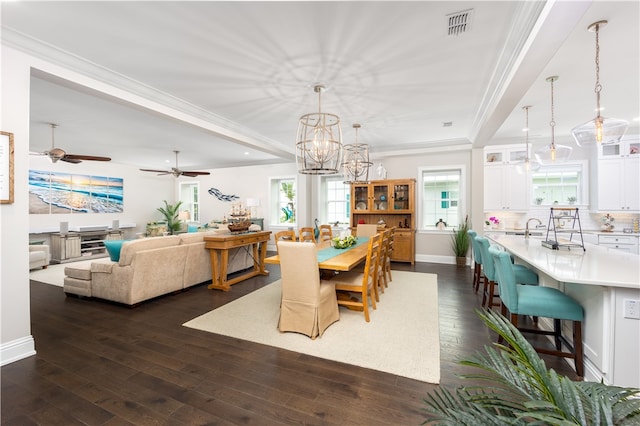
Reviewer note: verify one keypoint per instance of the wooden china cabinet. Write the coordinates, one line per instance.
(391, 201)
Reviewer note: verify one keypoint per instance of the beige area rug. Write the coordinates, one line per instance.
(54, 274)
(402, 337)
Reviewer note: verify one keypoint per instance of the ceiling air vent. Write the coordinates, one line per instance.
(459, 22)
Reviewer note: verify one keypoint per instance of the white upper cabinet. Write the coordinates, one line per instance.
(508, 154)
(618, 176)
(506, 185)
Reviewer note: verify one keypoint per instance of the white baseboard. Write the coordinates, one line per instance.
(17, 350)
(448, 260)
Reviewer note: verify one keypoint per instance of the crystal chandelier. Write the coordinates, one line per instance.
(600, 129)
(553, 152)
(356, 164)
(319, 141)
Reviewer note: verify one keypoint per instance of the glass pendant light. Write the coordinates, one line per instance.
(529, 163)
(600, 129)
(553, 153)
(319, 141)
(356, 164)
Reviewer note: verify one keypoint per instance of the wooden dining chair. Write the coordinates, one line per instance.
(381, 281)
(362, 283)
(306, 234)
(308, 304)
(387, 261)
(366, 230)
(539, 301)
(287, 235)
(326, 234)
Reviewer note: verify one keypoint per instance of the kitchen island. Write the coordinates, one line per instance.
(606, 282)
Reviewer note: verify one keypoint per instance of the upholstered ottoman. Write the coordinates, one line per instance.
(77, 280)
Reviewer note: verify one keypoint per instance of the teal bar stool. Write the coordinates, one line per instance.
(523, 274)
(540, 301)
(477, 258)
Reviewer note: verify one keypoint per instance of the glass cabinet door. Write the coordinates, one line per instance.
(493, 157)
(380, 197)
(610, 150)
(517, 156)
(401, 197)
(361, 198)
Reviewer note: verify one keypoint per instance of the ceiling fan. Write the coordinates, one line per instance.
(56, 154)
(175, 171)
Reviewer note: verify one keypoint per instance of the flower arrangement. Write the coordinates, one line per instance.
(492, 221)
(343, 243)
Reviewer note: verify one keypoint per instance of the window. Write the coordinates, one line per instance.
(559, 184)
(283, 201)
(336, 205)
(441, 196)
(189, 196)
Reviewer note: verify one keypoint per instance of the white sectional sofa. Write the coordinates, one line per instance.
(150, 267)
(39, 256)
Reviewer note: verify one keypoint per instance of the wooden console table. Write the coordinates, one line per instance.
(219, 246)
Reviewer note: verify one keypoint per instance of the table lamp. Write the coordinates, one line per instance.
(251, 203)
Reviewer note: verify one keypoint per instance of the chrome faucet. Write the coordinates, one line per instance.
(526, 229)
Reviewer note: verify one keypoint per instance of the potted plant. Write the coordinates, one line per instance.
(460, 242)
(520, 390)
(539, 200)
(571, 200)
(170, 213)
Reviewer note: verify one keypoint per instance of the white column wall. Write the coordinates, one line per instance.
(15, 338)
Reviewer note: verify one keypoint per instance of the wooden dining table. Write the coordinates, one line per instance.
(345, 260)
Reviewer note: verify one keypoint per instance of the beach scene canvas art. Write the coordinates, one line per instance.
(51, 192)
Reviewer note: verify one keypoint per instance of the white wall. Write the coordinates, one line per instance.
(245, 182)
(15, 337)
(433, 246)
(143, 194)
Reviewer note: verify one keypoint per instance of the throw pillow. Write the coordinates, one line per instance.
(113, 248)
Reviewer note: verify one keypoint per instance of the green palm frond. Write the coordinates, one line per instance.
(170, 213)
(521, 390)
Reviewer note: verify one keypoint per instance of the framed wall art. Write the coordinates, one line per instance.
(6, 168)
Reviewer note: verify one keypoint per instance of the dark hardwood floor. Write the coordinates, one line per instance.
(102, 364)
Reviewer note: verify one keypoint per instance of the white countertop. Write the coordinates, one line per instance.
(595, 266)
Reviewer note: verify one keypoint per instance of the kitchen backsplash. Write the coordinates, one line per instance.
(589, 221)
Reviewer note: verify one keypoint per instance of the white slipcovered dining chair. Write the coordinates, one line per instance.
(366, 230)
(309, 304)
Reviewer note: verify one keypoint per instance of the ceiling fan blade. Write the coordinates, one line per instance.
(194, 174)
(70, 160)
(162, 172)
(68, 157)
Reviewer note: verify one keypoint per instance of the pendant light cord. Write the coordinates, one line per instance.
(552, 123)
(598, 87)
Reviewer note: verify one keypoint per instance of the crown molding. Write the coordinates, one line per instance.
(222, 127)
